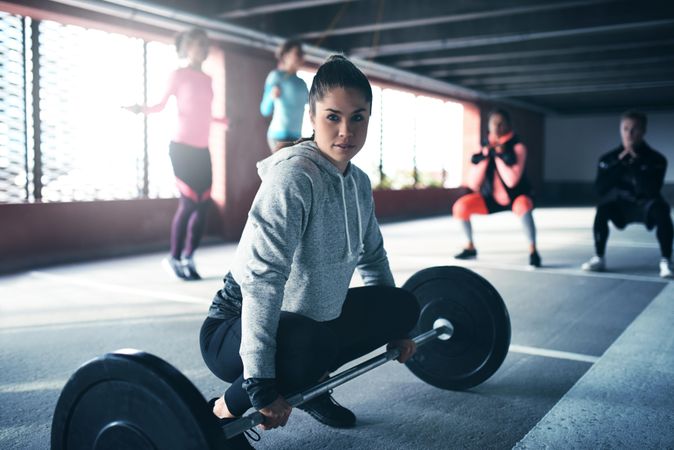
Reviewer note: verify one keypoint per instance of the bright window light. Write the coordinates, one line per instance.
(91, 148)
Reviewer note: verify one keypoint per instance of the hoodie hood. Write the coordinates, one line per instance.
(309, 150)
(306, 149)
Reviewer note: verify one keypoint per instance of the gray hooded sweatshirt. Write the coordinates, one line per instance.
(309, 228)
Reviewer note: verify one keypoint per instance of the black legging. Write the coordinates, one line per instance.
(655, 214)
(306, 349)
(188, 226)
(193, 170)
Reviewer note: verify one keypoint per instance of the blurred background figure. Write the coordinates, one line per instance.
(499, 183)
(285, 95)
(629, 181)
(188, 149)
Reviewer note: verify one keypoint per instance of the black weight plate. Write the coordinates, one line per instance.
(132, 400)
(481, 327)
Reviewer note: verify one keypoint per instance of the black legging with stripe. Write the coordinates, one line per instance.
(306, 349)
(193, 171)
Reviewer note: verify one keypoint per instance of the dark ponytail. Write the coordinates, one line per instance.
(337, 71)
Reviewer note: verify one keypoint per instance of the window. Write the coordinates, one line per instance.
(412, 141)
(91, 148)
(398, 138)
(369, 158)
(438, 142)
(88, 148)
(161, 59)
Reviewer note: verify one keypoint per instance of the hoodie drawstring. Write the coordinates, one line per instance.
(346, 217)
(360, 223)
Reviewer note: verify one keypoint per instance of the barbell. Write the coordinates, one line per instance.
(131, 399)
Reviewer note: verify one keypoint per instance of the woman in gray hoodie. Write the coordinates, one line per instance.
(286, 317)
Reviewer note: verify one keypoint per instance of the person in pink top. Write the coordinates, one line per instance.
(498, 182)
(188, 149)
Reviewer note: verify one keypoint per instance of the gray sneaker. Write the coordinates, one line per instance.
(595, 264)
(174, 266)
(190, 269)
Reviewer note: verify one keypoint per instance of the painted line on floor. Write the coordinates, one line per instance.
(554, 243)
(57, 385)
(33, 386)
(47, 385)
(622, 401)
(590, 244)
(449, 261)
(122, 321)
(535, 351)
(146, 293)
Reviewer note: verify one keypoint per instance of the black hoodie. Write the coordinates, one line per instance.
(630, 179)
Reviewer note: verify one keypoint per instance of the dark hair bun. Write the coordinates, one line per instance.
(184, 36)
(287, 46)
(336, 57)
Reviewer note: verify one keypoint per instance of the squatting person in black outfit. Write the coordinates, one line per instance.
(629, 180)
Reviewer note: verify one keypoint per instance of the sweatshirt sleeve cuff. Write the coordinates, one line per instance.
(261, 391)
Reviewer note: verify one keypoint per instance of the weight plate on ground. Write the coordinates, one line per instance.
(132, 400)
(481, 327)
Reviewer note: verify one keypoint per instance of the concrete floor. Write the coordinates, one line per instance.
(591, 360)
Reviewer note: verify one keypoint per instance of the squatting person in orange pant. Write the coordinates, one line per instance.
(498, 182)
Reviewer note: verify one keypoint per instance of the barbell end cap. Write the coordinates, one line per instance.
(448, 328)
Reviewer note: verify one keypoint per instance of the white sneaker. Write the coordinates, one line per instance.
(666, 269)
(595, 264)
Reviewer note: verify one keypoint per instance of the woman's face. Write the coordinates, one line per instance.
(293, 59)
(340, 122)
(197, 50)
(498, 125)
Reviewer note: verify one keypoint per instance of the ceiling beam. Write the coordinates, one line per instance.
(479, 41)
(171, 19)
(273, 7)
(597, 75)
(584, 88)
(368, 26)
(475, 58)
(444, 73)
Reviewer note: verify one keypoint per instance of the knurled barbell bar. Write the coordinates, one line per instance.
(132, 399)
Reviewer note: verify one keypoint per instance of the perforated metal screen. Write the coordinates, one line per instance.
(13, 151)
(81, 145)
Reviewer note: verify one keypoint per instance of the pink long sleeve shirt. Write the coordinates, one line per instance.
(193, 91)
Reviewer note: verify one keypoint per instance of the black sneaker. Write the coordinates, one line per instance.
(327, 411)
(238, 442)
(467, 254)
(534, 260)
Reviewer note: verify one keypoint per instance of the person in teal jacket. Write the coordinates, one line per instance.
(285, 95)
